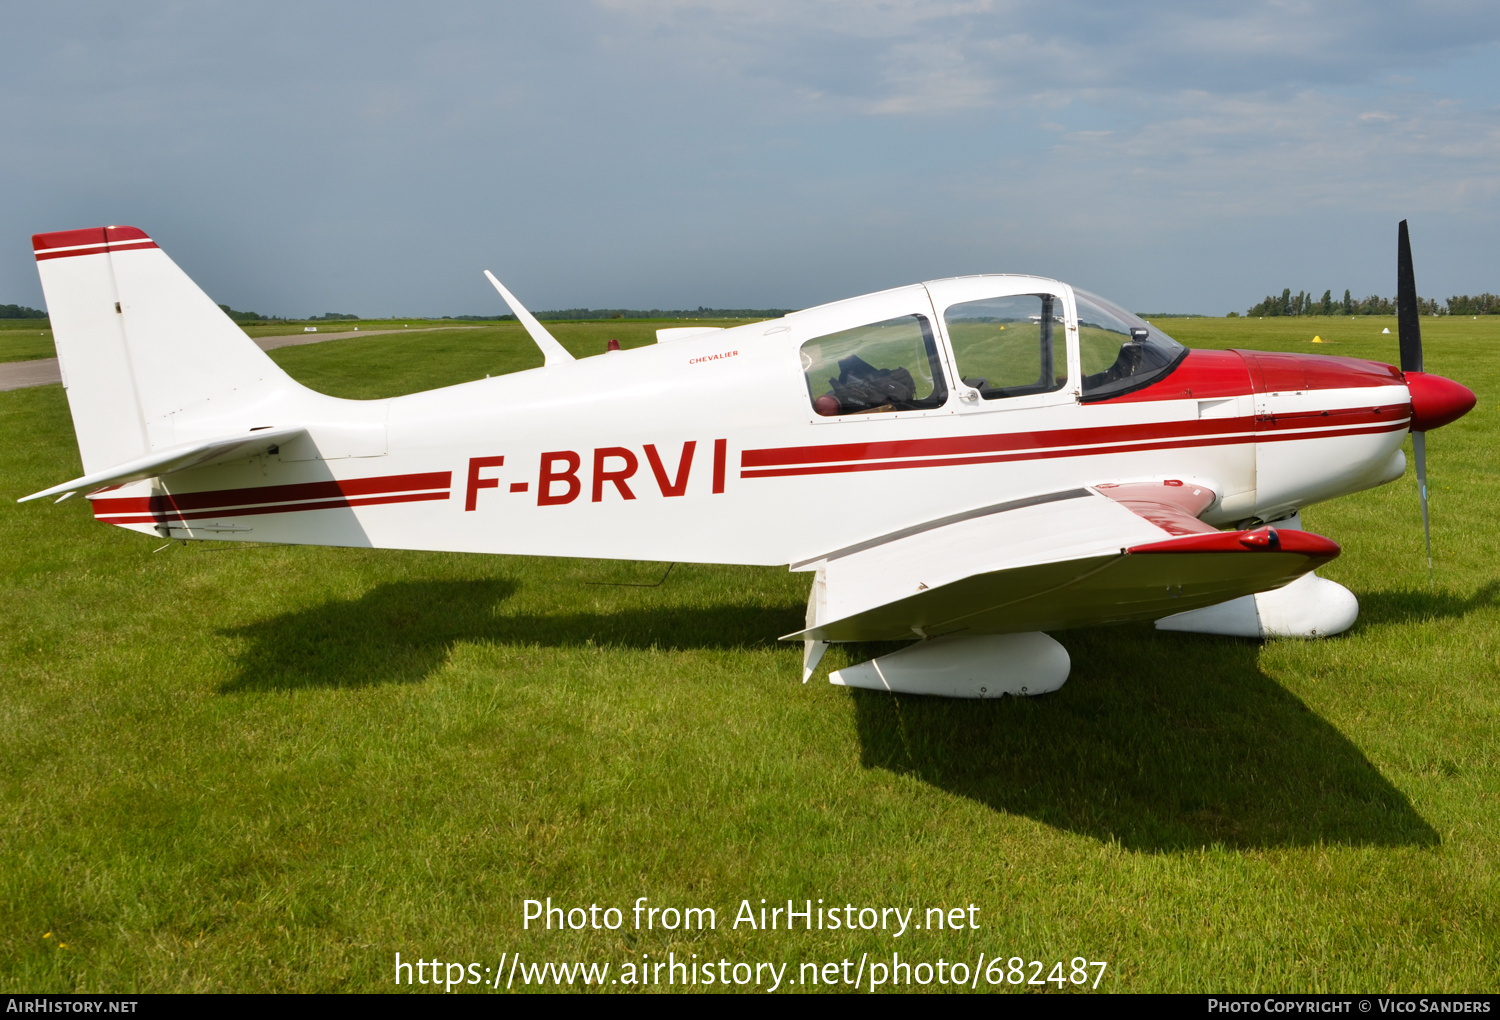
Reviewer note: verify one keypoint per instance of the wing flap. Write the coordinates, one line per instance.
(1172, 505)
(176, 458)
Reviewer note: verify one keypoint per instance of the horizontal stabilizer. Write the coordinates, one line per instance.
(176, 458)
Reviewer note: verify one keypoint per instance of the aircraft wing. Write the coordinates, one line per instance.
(1081, 557)
(176, 458)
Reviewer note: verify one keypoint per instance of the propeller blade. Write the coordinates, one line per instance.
(1409, 330)
(1408, 314)
(1419, 447)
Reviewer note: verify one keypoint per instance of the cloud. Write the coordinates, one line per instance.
(1204, 109)
(684, 152)
(1005, 49)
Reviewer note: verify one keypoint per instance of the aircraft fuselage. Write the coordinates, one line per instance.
(709, 448)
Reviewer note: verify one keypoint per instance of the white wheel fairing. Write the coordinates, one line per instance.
(985, 666)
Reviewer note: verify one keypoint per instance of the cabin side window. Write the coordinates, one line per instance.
(884, 366)
(1004, 347)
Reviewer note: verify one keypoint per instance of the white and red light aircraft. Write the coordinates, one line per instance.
(970, 461)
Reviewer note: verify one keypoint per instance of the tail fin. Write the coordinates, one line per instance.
(143, 349)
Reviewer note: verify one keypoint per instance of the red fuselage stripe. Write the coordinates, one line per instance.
(220, 499)
(168, 516)
(1386, 416)
(1024, 445)
(1166, 444)
(274, 499)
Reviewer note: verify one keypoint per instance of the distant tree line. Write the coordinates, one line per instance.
(561, 315)
(22, 312)
(577, 314)
(1304, 303)
(257, 317)
(1484, 304)
(248, 316)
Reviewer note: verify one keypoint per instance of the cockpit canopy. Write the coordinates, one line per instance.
(1008, 338)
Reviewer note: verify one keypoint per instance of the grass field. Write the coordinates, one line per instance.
(263, 768)
(25, 339)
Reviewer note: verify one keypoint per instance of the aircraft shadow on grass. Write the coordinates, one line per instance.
(404, 631)
(1160, 742)
(1413, 605)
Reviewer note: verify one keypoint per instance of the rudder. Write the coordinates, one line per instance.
(143, 351)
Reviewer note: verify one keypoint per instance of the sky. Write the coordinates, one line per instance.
(374, 158)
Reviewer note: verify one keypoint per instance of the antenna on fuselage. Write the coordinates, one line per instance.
(552, 351)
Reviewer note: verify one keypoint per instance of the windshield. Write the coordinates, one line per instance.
(1120, 350)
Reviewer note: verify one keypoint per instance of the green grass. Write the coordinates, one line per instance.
(287, 327)
(262, 768)
(1357, 337)
(25, 339)
(389, 365)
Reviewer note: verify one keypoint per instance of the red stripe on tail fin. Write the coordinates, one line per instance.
(61, 244)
